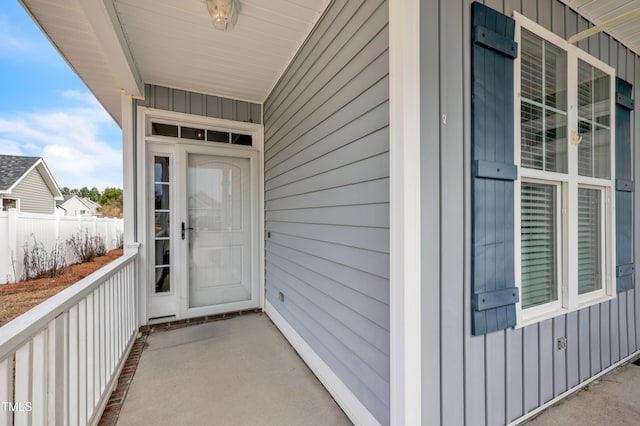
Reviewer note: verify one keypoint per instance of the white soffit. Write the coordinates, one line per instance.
(69, 29)
(116, 45)
(174, 43)
(600, 11)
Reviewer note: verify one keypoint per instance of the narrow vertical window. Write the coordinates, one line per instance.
(162, 234)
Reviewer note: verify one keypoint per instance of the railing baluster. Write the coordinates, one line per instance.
(125, 313)
(103, 346)
(96, 344)
(91, 398)
(108, 331)
(6, 389)
(24, 375)
(119, 307)
(114, 334)
(133, 315)
(40, 371)
(72, 332)
(110, 323)
(82, 362)
(68, 372)
(56, 382)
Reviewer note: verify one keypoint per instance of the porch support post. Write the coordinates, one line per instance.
(405, 226)
(129, 195)
(128, 169)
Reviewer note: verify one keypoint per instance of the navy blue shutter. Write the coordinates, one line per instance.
(624, 188)
(493, 291)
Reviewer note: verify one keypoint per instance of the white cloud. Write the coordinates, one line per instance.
(74, 141)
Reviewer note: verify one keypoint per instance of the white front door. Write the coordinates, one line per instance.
(218, 230)
(203, 228)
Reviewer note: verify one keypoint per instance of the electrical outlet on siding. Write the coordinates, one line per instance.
(561, 343)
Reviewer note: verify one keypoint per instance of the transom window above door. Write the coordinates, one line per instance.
(564, 147)
(199, 134)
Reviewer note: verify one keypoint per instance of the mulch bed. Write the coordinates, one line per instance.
(15, 299)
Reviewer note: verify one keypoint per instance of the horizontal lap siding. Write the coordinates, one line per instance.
(499, 377)
(327, 197)
(176, 100)
(34, 194)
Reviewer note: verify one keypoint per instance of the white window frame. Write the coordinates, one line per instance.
(567, 193)
(17, 200)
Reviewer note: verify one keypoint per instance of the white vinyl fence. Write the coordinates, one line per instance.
(18, 228)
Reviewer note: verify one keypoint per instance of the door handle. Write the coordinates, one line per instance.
(184, 229)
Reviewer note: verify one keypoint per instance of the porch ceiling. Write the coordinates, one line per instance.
(116, 45)
(600, 11)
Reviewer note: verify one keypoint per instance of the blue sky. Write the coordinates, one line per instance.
(46, 110)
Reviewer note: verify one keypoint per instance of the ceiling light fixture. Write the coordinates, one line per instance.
(224, 13)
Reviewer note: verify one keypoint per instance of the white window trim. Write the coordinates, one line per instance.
(568, 298)
(17, 200)
(406, 354)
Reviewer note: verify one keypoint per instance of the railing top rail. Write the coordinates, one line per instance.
(22, 328)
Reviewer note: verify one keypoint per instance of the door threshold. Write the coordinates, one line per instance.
(157, 324)
(162, 319)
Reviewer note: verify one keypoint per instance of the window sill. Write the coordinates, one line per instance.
(540, 316)
(586, 301)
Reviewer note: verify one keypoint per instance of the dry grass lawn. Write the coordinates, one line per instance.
(16, 299)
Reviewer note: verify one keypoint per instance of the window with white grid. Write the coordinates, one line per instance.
(564, 146)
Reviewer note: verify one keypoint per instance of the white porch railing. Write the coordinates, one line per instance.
(60, 361)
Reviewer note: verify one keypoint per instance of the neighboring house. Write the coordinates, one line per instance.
(433, 201)
(26, 184)
(74, 205)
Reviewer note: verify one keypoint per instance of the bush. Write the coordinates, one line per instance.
(86, 247)
(40, 263)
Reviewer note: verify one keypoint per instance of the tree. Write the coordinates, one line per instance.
(110, 194)
(93, 194)
(111, 202)
(112, 207)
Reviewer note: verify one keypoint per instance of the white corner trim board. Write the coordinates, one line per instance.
(350, 404)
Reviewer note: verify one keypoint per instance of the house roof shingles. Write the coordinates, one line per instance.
(12, 168)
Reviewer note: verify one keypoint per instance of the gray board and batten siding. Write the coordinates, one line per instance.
(175, 100)
(327, 197)
(498, 377)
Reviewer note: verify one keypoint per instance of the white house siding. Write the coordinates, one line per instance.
(499, 377)
(327, 197)
(74, 207)
(34, 194)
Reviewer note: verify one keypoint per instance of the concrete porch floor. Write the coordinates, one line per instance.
(239, 371)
